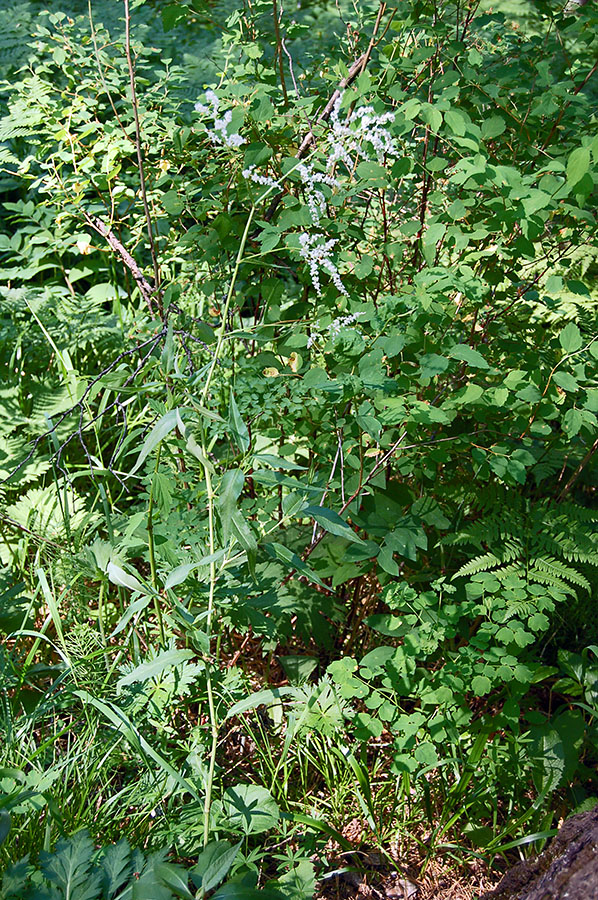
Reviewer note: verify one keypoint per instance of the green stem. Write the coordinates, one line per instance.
(230, 292)
(152, 551)
(101, 621)
(209, 685)
(214, 727)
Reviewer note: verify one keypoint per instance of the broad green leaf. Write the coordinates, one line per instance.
(277, 462)
(175, 878)
(566, 381)
(229, 492)
(570, 338)
(68, 867)
(469, 355)
(299, 883)
(250, 808)
(577, 165)
(298, 668)
(332, 522)
(214, 864)
(480, 685)
(282, 553)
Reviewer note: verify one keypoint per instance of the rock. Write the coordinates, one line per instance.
(566, 870)
(403, 889)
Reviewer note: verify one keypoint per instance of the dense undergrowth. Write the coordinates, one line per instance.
(299, 537)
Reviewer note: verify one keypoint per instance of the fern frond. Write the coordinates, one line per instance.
(483, 563)
(547, 566)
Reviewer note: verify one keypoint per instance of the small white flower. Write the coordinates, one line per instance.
(251, 175)
(219, 133)
(362, 127)
(316, 200)
(317, 256)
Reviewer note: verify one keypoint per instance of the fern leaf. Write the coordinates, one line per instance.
(559, 571)
(483, 563)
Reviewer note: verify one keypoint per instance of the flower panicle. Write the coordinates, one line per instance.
(218, 134)
(316, 251)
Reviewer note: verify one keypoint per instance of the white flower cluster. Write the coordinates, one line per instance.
(363, 126)
(334, 329)
(251, 175)
(317, 256)
(219, 134)
(343, 322)
(316, 200)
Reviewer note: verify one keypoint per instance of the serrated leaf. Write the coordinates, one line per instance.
(570, 338)
(214, 864)
(116, 866)
(68, 867)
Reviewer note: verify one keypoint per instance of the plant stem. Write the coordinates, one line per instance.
(209, 685)
(152, 550)
(142, 187)
(230, 292)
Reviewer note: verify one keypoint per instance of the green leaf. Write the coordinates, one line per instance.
(570, 338)
(332, 522)
(298, 668)
(163, 426)
(468, 355)
(299, 883)
(154, 667)
(290, 559)
(237, 426)
(175, 878)
(230, 491)
(116, 866)
(173, 203)
(481, 685)
(250, 808)
(4, 825)
(492, 127)
(214, 864)
(577, 165)
(69, 866)
(172, 15)
(123, 579)
(261, 698)
(566, 381)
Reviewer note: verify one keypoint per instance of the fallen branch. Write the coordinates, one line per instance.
(145, 288)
